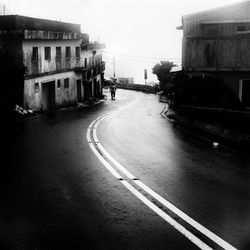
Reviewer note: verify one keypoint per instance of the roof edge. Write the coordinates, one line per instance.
(208, 11)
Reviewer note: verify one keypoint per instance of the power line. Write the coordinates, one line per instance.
(148, 62)
(145, 57)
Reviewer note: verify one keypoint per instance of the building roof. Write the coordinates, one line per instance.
(226, 21)
(176, 69)
(210, 11)
(21, 23)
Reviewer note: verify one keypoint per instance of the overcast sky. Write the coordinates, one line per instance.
(133, 28)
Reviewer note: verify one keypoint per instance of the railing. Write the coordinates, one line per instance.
(232, 119)
(97, 69)
(138, 87)
(92, 46)
(76, 64)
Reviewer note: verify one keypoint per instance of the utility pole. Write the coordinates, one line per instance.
(113, 65)
(145, 76)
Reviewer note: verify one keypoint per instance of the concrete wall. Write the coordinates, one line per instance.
(41, 82)
(48, 72)
(226, 118)
(212, 43)
(221, 54)
(63, 96)
(211, 40)
(139, 87)
(49, 65)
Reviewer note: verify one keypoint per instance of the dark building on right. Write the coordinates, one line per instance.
(216, 42)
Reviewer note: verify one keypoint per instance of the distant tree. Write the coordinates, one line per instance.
(162, 71)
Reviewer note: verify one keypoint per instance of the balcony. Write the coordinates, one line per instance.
(80, 69)
(95, 70)
(92, 46)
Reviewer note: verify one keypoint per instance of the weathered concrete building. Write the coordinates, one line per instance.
(217, 41)
(63, 67)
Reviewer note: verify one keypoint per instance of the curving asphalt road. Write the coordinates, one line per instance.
(57, 194)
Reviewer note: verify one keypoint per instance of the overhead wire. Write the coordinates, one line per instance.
(143, 57)
(147, 62)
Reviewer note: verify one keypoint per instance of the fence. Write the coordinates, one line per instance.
(137, 87)
(232, 119)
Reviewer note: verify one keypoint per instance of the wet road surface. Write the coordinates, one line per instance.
(56, 194)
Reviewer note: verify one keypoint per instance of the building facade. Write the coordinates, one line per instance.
(217, 42)
(53, 52)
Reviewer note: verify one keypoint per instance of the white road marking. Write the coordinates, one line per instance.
(93, 127)
(186, 218)
(152, 206)
(167, 218)
(105, 163)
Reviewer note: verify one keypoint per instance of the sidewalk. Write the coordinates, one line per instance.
(233, 138)
(79, 105)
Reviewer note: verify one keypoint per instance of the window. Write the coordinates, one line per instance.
(37, 87)
(59, 84)
(66, 83)
(58, 53)
(47, 53)
(78, 52)
(35, 54)
(243, 29)
(68, 53)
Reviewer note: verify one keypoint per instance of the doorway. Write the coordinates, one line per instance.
(86, 90)
(246, 93)
(79, 90)
(48, 95)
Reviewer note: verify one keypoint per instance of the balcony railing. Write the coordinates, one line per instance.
(92, 46)
(91, 71)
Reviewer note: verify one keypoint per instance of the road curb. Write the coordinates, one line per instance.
(72, 107)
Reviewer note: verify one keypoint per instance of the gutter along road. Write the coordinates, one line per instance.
(119, 176)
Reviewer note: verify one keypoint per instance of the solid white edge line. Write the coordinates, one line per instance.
(104, 162)
(167, 218)
(114, 161)
(177, 211)
(186, 218)
(147, 202)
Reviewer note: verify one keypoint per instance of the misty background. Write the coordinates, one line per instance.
(137, 33)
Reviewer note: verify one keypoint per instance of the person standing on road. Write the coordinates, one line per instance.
(112, 90)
